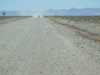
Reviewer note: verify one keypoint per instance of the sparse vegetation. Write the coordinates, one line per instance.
(9, 17)
(91, 19)
(86, 23)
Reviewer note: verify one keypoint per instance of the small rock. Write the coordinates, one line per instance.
(82, 46)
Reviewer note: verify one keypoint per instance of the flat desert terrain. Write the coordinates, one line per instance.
(40, 46)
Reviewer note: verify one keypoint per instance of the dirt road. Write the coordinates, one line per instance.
(40, 47)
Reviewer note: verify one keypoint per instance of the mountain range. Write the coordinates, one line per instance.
(74, 12)
(50, 12)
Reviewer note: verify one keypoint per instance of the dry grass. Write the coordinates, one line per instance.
(10, 17)
(87, 23)
(86, 26)
(7, 19)
(90, 19)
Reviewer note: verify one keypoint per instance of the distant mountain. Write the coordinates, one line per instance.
(16, 13)
(73, 12)
(63, 12)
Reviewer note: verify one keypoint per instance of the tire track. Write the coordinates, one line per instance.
(7, 44)
(13, 50)
(8, 56)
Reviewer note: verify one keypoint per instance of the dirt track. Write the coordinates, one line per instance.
(41, 47)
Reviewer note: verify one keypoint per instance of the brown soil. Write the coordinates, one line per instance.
(83, 33)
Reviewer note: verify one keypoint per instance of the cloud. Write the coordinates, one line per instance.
(23, 13)
(35, 14)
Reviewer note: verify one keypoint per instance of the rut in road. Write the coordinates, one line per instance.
(35, 47)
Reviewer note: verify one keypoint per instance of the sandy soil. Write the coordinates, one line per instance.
(42, 47)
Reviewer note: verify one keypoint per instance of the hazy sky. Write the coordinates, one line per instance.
(47, 4)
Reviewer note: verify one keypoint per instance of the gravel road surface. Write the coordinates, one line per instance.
(38, 46)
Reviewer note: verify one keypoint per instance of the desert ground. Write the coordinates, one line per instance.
(43, 46)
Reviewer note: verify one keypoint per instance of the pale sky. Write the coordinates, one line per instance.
(32, 5)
